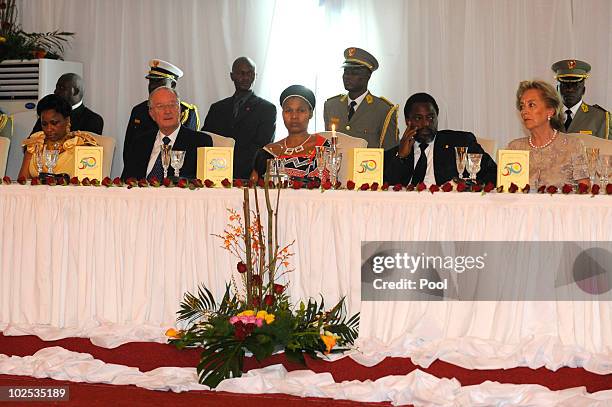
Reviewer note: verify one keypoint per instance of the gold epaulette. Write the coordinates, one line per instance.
(387, 101)
(388, 118)
(338, 96)
(599, 107)
(185, 114)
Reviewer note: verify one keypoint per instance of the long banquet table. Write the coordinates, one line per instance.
(112, 264)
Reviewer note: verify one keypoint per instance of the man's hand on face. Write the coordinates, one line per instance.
(407, 141)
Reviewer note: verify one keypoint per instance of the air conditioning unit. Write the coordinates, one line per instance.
(22, 84)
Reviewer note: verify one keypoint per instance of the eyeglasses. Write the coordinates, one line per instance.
(169, 106)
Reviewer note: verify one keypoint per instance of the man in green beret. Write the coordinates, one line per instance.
(161, 73)
(358, 113)
(580, 117)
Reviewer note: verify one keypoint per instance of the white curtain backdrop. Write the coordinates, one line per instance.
(469, 54)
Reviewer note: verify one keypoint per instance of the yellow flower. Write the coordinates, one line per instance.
(329, 341)
(247, 313)
(269, 318)
(173, 333)
(261, 314)
(2, 40)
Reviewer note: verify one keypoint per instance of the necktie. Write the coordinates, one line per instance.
(158, 169)
(421, 166)
(568, 121)
(352, 109)
(238, 105)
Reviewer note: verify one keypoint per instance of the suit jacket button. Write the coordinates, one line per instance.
(348, 127)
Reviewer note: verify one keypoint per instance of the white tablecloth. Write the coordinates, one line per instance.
(114, 263)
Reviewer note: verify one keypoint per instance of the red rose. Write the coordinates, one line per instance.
(95, 182)
(433, 188)
(167, 182)
(256, 279)
(489, 187)
(62, 181)
(350, 185)
(238, 183)
(526, 189)
(260, 183)
(609, 189)
(447, 187)
(21, 180)
(6, 180)
(242, 268)
(583, 188)
(421, 186)
(364, 187)
(226, 183)
(142, 183)
(197, 183)
(107, 182)
(551, 189)
(297, 185)
(74, 181)
(513, 188)
(567, 188)
(326, 185)
(117, 182)
(85, 181)
(409, 187)
(461, 187)
(338, 185)
(397, 187)
(154, 181)
(312, 184)
(208, 183)
(385, 186)
(595, 189)
(542, 189)
(476, 188)
(278, 289)
(35, 181)
(250, 183)
(182, 183)
(51, 181)
(256, 302)
(269, 300)
(374, 186)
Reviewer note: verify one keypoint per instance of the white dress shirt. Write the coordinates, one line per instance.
(574, 110)
(430, 177)
(358, 100)
(157, 146)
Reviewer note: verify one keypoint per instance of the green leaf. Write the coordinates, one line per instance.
(220, 360)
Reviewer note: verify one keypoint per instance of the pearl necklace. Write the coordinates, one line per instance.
(296, 149)
(554, 136)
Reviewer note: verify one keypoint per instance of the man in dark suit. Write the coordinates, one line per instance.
(433, 159)
(143, 159)
(245, 117)
(70, 88)
(161, 73)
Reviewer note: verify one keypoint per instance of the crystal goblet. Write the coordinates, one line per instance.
(51, 157)
(605, 168)
(177, 158)
(473, 164)
(321, 157)
(592, 156)
(165, 158)
(461, 160)
(335, 163)
(40, 158)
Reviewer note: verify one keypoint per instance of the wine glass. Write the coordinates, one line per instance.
(605, 167)
(461, 160)
(177, 158)
(592, 155)
(321, 158)
(51, 157)
(40, 158)
(334, 168)
(165, 158)
(473, 164)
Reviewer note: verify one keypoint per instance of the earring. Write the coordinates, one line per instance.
(548, 117)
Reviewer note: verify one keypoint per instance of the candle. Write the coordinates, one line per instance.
(334, 138)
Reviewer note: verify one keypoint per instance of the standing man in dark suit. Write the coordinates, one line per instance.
(580, 117)
(143, 159)
(69, 87)
(244, 116)
(359, 113)
(161, 73)
(433, 161)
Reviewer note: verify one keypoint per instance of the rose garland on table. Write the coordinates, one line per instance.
(566, 189)
(255, 313)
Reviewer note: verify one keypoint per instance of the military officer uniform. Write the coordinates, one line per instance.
(587, 119)
(141, 122)
(375, 118)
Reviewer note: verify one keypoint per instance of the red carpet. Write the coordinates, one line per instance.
(148, 356)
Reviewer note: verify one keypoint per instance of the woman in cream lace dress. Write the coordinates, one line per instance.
(54, 113)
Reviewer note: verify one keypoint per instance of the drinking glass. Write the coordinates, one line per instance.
(321, 158)
(177, 158)
(40, 158)
(592, 155)
(605, 168)
(461, 160)
(51, 157)
(165, 158)
(473, 164)
(335, 163)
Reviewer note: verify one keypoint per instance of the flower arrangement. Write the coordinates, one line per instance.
(255, 313)
(18, 44)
